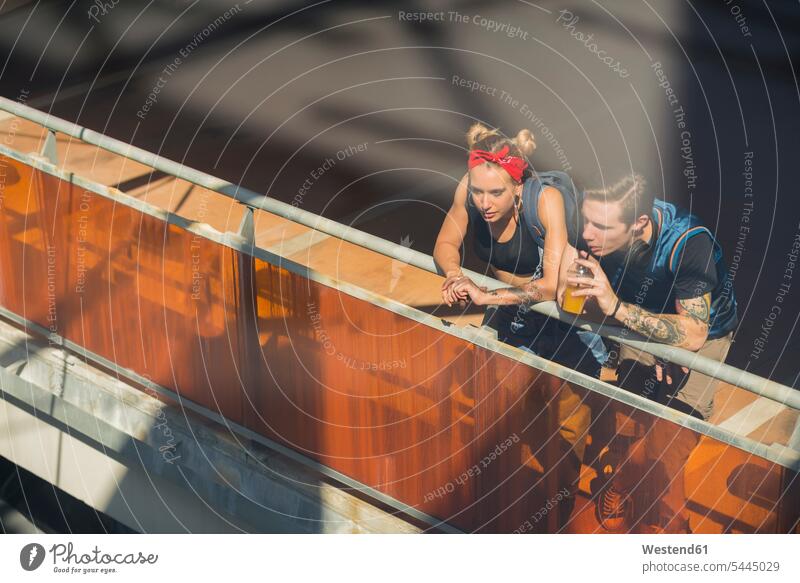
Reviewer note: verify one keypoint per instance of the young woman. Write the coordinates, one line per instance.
(490, 199)
(523, 246)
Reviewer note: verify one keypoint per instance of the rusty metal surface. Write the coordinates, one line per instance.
(451, 427)
(143, 293)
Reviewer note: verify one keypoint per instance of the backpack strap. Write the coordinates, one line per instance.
(531, 193)
(681, 243)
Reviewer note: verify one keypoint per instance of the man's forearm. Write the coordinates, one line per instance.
(672, 329)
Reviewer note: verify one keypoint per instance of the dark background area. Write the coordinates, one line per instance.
(270, 93)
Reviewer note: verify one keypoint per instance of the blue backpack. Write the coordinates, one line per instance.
(532, 190)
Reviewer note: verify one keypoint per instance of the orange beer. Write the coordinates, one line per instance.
(574, 304)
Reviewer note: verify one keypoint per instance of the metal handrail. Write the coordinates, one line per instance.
(746, 380)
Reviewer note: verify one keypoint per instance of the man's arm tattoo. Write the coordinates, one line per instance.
(697, 308)
(666, 328)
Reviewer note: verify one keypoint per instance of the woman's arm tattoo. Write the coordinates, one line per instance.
(529, 294)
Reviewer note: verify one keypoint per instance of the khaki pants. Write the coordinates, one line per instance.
(656, 460)
(698, 391)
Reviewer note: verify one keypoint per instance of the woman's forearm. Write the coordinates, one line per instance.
(534, 291)
(448, 258)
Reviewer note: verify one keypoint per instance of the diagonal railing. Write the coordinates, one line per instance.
(743, 379)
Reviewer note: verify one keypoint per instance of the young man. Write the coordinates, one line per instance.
(657, 271)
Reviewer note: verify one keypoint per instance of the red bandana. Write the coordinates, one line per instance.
(514, 165)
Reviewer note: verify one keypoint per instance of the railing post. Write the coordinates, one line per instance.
(49, 149)
(246, 310)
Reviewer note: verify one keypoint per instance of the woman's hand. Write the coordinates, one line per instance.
(466, 288)
(448, 295)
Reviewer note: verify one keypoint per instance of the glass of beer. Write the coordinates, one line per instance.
(574, 304)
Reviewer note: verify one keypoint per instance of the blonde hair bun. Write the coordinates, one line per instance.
(525, 142)
(478, 133)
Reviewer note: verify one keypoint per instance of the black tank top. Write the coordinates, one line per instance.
(519, 255)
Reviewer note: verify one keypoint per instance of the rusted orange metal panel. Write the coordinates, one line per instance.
(145, 294)
(456, 430)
